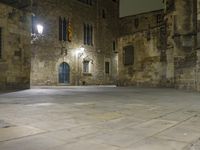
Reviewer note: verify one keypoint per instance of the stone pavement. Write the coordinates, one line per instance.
(100, 118)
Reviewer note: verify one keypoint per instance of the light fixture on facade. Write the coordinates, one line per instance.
(37, 32)
(40, 28)
(80, 51)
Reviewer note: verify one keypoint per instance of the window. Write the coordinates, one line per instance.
(33, 22)
(86, 66)
(103, 13)
(88, 2)
(128, 55)
(136, 23)
(63, 25)
(88, 34)
(0, 42)
(114, 46)
(159, 18)
(64, 30)
(107, 67)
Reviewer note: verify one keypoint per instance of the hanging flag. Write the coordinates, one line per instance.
(69, 31)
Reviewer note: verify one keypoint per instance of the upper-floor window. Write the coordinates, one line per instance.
(103, 13)
(114, 0)
(159, 18)
(33, 22)
(136, 22)
(62, 29)
(65, 29)
(88, 34)
(0, 42)
(88, 2)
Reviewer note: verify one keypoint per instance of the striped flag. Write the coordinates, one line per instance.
(69, 32)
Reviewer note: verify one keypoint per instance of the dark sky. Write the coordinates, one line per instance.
(131, 7)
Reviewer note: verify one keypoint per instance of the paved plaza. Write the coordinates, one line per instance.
(100, 118)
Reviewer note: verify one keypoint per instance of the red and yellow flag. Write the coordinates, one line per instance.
(69, 31)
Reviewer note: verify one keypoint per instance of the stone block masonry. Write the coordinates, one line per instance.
(15, 48)
(48, 53)
(166, 47)
(86, 43)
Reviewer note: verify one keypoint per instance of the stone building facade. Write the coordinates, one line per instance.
(84, 42)
(14, 48)
(182, 50)
(52, 58)
(141, 38)
(166, 53)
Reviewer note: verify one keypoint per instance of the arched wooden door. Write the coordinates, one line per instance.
(64, 73)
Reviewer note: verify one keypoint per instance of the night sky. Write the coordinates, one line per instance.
(131, 7)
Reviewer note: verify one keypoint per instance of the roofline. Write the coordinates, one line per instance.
(144, 13)
(19, 7)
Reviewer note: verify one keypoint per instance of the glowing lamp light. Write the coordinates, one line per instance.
(40, 28)
(82, 49)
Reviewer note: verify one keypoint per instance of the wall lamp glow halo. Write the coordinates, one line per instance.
(40, 28)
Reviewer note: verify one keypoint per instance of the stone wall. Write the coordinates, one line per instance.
(47, 51)
(15, 61)
(141, 22)
(182, 31)
(143, 33)
(166, 45)
(174, 62)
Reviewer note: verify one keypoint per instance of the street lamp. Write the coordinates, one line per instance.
(80, 51)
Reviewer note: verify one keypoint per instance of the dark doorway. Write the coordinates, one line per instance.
(64, 73)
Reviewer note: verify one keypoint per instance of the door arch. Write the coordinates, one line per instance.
(64, 73)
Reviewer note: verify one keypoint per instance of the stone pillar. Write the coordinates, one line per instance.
(185, 16)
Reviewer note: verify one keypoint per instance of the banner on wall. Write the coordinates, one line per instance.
(70, 32)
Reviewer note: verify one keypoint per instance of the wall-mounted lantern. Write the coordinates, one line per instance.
(40, 28)
(37, 29)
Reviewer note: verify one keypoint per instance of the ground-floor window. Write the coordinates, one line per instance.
(86, 66)
(107, 67)
(128, 55)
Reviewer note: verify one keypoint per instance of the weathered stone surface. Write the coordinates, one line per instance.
(147, 67)
(166, 45)
(47, 51)
(15, 61)
(167, 57)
